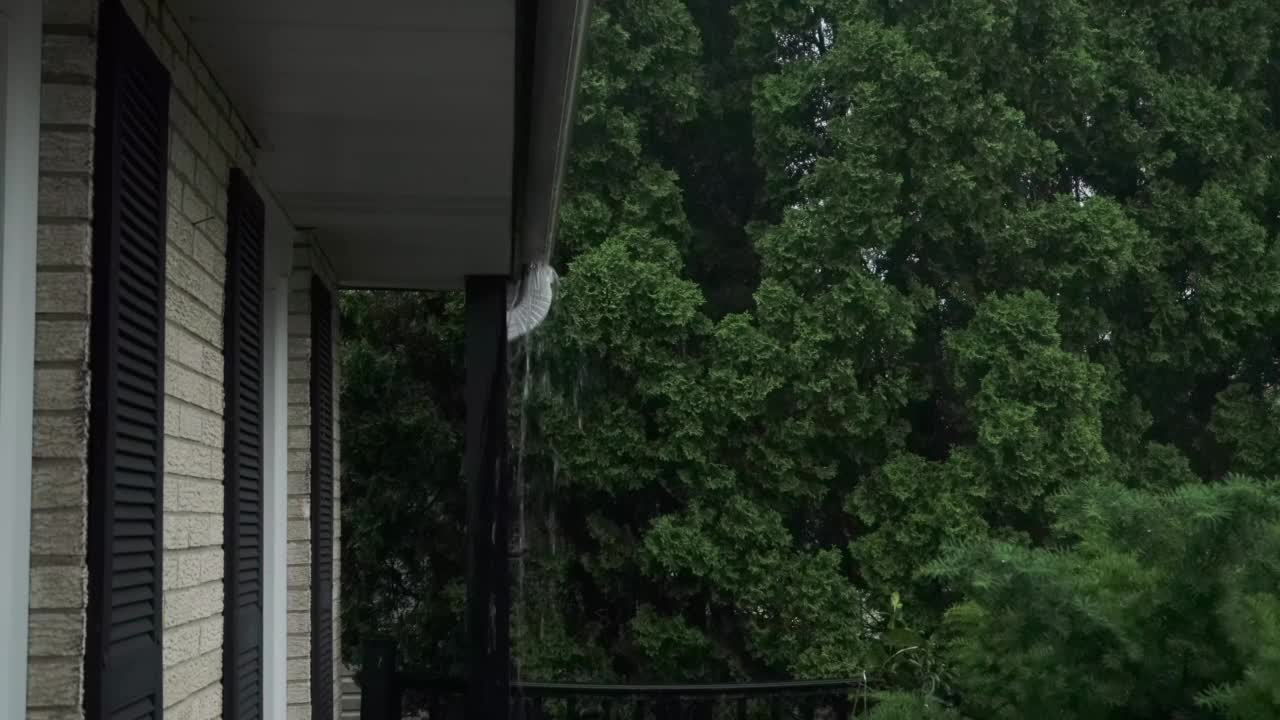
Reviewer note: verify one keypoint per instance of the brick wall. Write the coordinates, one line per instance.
(207, 139)
(307, 260)
(59, 575)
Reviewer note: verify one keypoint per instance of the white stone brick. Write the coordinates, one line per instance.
(62, 292)
(171, 28)
(204, 704)
(299, 390)
(208, 112)
(185, 678)
(64, 245)
(298, 553)
(299, 349)
(181, 157)
(58, 532)
(70, 12)
(201, 72)
(65, 197)
(299, 575)
(299, 461)
(183, 457)
(66, 150)
(190, 567)
(58, 587)
(160, 44)
(299, 646)
(300, 372)
(299, 437)
(299, 508)
(184, 119)
(69, 55)
(219, 163)
(175, 187)
(299, 693)
(195, 208)
(182, 270)
(190, 530)
(53, 681)
(201, 496)
(185, 605)
(58, 484)
(56, 634)
(298, 623)
(59, 436)
(189, 422)
(193, 387)
(299, 530)
(67, 104)
(193, 352)
(62, 340)
(298, 669)
(60, 388)
(211, 635)
(206, 183)
(216, 233)
(298, 712)
(181, 644)
(300, 294)
(227, 136)
(56, 713)
(179, 233)
(299, 325)
(299, 600)
(185, 310)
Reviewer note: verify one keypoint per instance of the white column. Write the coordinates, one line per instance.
(19, 182)
(275, 505)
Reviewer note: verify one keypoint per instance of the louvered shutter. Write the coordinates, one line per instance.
(242, 583)
(126, 425)
(321, 501)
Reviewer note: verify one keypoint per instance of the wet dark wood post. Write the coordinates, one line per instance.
(379, 686)
(487, 472)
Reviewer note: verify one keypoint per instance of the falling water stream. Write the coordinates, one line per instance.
(522, 360)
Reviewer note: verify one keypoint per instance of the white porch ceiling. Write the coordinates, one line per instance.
(386, 125)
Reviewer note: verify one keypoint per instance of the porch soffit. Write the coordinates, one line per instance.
(385, 125)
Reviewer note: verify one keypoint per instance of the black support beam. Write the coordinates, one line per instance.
(487, 472)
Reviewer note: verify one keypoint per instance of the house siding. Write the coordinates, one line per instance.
(307, 260)
(59, 573)
(207, 139)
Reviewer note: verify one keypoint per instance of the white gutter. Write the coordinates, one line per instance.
(559, 56)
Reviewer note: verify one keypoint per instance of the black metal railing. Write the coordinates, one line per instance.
(387, 694)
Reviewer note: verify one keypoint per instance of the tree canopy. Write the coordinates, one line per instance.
(948, 317)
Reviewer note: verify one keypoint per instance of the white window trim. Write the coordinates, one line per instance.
(275, 629)
(20, 35)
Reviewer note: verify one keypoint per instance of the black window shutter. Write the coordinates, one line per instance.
(321, 501)
(126, 421)
(242, 543)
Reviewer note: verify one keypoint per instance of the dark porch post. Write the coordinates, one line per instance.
(486, 470)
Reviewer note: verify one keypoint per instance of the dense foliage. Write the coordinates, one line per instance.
(878, 319)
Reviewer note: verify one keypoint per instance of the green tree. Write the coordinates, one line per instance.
(1150, 604)
(402, 499)
(847, 282)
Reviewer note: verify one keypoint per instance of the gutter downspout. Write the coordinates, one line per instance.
(533, 295)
